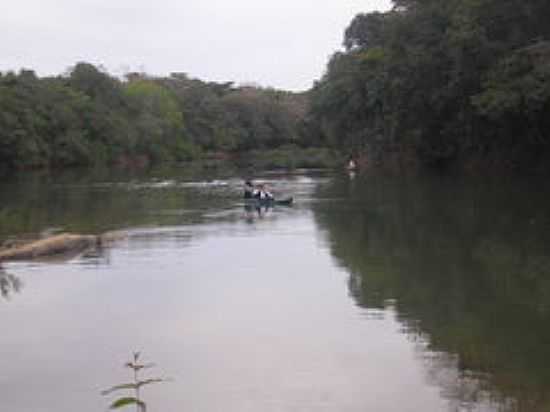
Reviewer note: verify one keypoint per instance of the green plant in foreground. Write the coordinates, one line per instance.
(136, 385)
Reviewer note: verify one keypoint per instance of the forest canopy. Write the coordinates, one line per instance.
(88, 117)
(448, 79)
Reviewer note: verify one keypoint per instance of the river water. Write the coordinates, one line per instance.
(368, 294)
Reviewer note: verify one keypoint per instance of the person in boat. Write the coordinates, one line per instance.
(259, 192)
(352, 165)
(249, 191)
(264, 193)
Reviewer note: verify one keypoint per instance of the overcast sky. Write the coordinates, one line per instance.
(283, 43)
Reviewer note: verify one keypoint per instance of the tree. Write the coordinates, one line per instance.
(451, 79)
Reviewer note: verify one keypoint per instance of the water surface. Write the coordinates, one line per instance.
(382, 294)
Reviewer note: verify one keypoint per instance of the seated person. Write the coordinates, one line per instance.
(249, 191)
(264, 193)
(259, 192)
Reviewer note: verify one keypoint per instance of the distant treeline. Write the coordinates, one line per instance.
(445, 80)
(89, 117)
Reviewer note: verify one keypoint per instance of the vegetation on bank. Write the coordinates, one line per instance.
(291, 157)
(87, 117)
(447, 81)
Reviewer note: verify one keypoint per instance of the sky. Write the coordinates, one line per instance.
(283, 44)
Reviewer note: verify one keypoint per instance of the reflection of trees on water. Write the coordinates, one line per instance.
(466, 390)
(9, 283)
(95, 204)
(466, 268)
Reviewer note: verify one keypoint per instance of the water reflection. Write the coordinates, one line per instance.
(250, 311)
(466, 267)
(149, 207)
(95, 203)
(9, 283)
(254, 211)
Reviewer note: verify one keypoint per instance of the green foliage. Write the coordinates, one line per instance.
(448, 78)
(292, 157)
(158, 120)
(88, 117)
(136, 385)
(221, 117)
(518, 92)
(365, 30)
(41, 122)
(122, 402)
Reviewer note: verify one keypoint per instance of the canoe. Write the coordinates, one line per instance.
(284, 202)
(287, 201)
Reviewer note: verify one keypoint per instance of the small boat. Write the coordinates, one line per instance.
(287, 201)
(284, 202)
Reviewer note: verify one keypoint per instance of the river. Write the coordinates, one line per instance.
(368, 294)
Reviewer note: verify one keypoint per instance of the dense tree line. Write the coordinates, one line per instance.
(451, 79)
(88, 117)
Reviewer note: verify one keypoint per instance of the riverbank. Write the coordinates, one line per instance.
(408, 159)
(287, 157)
(291, 157)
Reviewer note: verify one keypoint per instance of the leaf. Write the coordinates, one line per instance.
(137, 366)
(148, 381)
(119, 387)
(122, 402)
(139, 384)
